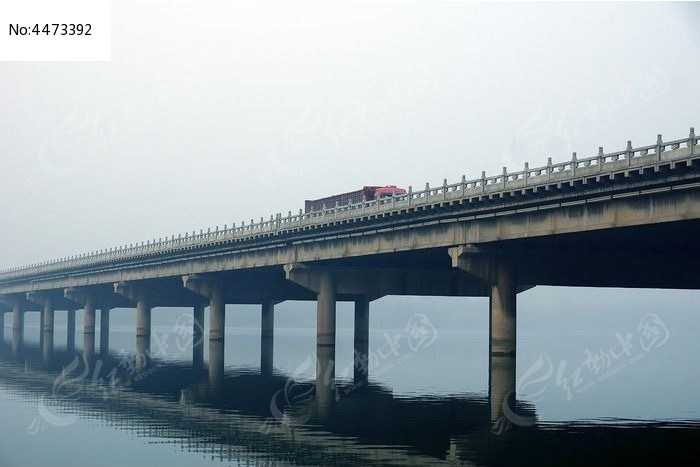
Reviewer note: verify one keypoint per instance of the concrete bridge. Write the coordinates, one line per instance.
(622, 219)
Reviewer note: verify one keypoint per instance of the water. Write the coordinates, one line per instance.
(611, 378)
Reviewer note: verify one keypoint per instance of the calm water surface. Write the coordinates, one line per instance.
(608, 389)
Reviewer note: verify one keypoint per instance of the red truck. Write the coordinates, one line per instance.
(367, 193)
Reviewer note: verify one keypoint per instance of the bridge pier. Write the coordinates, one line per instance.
(325, 339)
(89, 330)
(17, 328)
(41, 329)
(500, 276)
(361, 341)
(267, 337)
(104, 331)
(217, 332)
(46, 322)
(89, 303)
(143, 331)
(502, 313)
(70, 338)
(138, 294)
(213, 289)
(47, 330)
(198, 336)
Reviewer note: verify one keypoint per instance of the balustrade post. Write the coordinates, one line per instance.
(691, 141)
(628, 153)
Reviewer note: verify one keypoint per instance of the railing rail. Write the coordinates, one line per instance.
(277, 223)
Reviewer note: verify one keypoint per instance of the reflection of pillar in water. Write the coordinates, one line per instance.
(325, 342)
(70, 338)
(361, 355)
(267, 337)
(325, 380)
(17, 329)
(501, 385)
(216, 365)
(198, 336)
(2, 327)
(217, 330)
(47, 330)
(41, 329)
(89, 330)
(104, 331)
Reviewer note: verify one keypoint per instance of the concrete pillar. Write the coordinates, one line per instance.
(502, 340)
(89, 330)
(361, 354)
(47, 330)
(267, 337)
(41, 329)
(213, 289)
(143, 331)
(502, 313)
(104, 331)
(17, 328)
(70, 339)
(325, 340)
(217, 330)
(198, 337)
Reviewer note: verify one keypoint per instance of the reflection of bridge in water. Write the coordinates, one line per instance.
(234, 420)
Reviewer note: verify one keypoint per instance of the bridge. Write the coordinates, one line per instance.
(621, 219)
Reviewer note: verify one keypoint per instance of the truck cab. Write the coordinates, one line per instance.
(388, 191)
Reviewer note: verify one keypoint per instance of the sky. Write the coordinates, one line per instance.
(213, 113)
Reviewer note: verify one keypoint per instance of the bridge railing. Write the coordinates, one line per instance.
(529, 176)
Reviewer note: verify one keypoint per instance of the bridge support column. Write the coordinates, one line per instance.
(89, 330)
(137, 293)
(87, 299)
(217, 332)
(46, 322)
(267, 327)
(325, 341)
(502, 313)
(47, 330)
(143, 331)
(361, 354)
(213, 289)
(198, 336)
(70, 338)
(41, 330)
(501, 278)
(17, 328)
(104, 331)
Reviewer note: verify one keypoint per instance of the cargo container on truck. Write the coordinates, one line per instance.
(366, 193)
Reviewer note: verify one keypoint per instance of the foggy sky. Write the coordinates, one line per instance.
(211, 113)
